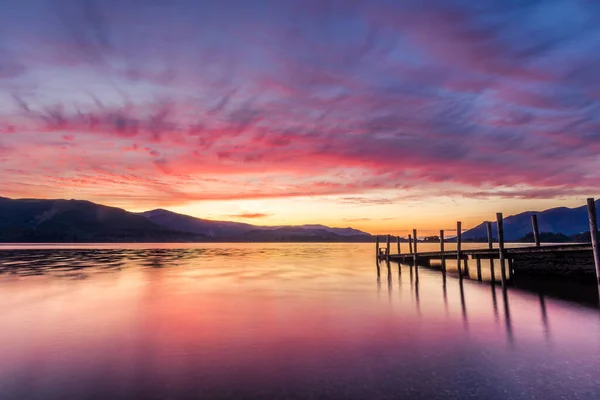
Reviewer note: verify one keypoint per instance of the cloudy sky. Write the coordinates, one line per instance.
(382, 115)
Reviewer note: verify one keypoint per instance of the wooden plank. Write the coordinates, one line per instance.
(442, 255)
(536, 232)
(500, 227)
(458, 247)
(591, 206)
(387, 247)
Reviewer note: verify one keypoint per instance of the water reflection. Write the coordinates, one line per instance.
(269, 321)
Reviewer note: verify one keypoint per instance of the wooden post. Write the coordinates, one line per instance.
(488, 225)
(500, 228)
(478, 260)
(387, 248)
(377, 246)
(442, 257)
(410, 251)
(415, 256)
(536, 232)
(458, 244)
(398, 241)
(591, 206)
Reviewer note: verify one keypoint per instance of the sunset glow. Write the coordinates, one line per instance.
(380, 115)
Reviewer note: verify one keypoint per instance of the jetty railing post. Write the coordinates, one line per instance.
(591, 206)
(500, 227)
(488, 225)
(442, 256)
(536, 232)
(458, 245)
(415, 256)
(398, 242)
(387, 248)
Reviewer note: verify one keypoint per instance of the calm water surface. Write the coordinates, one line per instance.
(277, 321)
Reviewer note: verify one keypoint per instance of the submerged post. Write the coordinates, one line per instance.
(398, 241)
(478, 260)
(387, 248)
(591, 206)
(536, 232)
(377, 246)
(442, 257)
(410, 250)
(458, 245)
(500, 226)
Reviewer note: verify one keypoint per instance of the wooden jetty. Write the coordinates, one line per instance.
(577, 259)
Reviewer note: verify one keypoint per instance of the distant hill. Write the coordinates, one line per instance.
(561, 220)
(40, 220)
(227, 230)
(35, 220)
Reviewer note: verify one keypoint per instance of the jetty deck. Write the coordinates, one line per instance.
(573, 259)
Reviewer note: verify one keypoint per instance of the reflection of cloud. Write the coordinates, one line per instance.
(342, 99)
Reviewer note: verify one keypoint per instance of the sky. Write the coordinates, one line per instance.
(380, 115)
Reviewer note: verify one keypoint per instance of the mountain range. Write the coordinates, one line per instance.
(41, 220)
(560, 220)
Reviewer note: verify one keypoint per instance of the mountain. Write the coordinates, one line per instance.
(567, 221)
(36, 220)
(40, 220)
(226, 230)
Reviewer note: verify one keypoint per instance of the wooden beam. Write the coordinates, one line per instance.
(410, 249)
(488, 226)
(442, 257)
(500, 227)
(398, 241)
(536, 231)
(458, 247)
(377, 246)
(478, 260)
(591, 206)
(415, 256)
(387, 247)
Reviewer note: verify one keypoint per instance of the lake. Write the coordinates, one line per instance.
(277, 321)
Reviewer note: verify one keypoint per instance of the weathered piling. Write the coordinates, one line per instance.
(536, 232)
(415, 256)
(398, 242)
(387, 248)
(488, 225)
(591, 206)
(377, 246)
(478, 261)
(458, 247)
(442, 257)
(500, 227)
(410, 249)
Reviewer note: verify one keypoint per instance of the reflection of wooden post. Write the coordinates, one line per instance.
(478, 260)
(458, 244)
(387, 248)
(410, 251)
(500, 228)
(591, 205)
(536, 232)
(377, 246)
(398, 241)
(442, 256)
